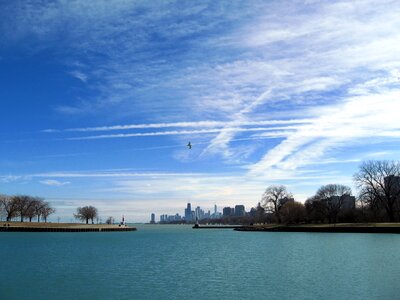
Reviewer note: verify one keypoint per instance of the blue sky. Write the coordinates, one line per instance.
(99, 99)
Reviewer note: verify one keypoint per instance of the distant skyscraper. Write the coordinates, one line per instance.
(392, 184)
(227, 211)
(239, 210)
(188, 212)
(199, 213)
(215, 209)
(153, 219)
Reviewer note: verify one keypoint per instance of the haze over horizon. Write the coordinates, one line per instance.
(100, 98)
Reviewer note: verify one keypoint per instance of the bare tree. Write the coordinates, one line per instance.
(9, 206)
(379, 184)
(293, 212)
(22, 203)
(27, 207)
(333, 197)
(110, 220)
(86, 213)
(315, 209)
(46, 211)
(39, 206)
(274, 197)
(33, 210)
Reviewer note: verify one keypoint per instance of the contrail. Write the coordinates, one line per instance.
(178, 132)
(203, 124)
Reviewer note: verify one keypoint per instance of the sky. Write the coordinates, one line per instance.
(99, 99)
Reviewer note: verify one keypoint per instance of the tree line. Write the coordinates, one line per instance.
(378, 199)
(25, 207)
(28, 207)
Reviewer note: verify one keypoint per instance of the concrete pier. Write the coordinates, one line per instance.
(61, 227)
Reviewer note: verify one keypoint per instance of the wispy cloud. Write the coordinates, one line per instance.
(180, 132)
(52, 182)
(9, 178)
(105, 173)
(204, 124)
(358, 120)
(79, 75)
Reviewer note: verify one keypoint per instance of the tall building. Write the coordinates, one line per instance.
(153, 219)
(392, 184)
(199, 213)
(188, 213)
(228, 211)
(240, 211)
(162, 218)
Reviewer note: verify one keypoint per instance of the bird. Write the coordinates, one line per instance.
(189, 145)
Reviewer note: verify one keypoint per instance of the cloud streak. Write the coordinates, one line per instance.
(203, 124)
(180, 132)
(52, 182)
(358, 120)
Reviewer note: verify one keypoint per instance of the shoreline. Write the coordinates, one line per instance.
(61, 227)
(217, 226)
(393, 228)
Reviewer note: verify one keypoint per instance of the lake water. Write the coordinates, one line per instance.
(176, 262)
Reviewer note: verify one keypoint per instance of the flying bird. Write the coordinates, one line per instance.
(189, 145)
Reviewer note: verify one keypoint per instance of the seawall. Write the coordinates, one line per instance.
(61, 227)
(332, 229)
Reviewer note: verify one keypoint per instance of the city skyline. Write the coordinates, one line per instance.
(197, 214)
(100, 99)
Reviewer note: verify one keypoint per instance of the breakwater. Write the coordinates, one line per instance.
(322, 229)
(217, 227)
(61, 227)
(64, 229)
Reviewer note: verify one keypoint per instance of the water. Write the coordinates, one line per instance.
(176, 262)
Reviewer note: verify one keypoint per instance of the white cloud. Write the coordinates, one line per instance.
(357, 120)
(9, 178)
(180, 132)
(79, 75)
(52, 182)
(204, 124)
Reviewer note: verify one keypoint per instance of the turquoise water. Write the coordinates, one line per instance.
(176, 262)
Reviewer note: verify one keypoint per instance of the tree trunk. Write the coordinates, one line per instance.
(38, 218)
(22, 219)
(30, 219)
(390, 215)
(87, 221)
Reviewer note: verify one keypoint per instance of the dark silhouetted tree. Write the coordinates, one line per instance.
(39, 206)
(315, 209)
(332, 196)
(31, 211)
(293, 212)
(9, 206)
(379, 185)
(23, 204)
(86, 213)
(274, 197)
(46, 210)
